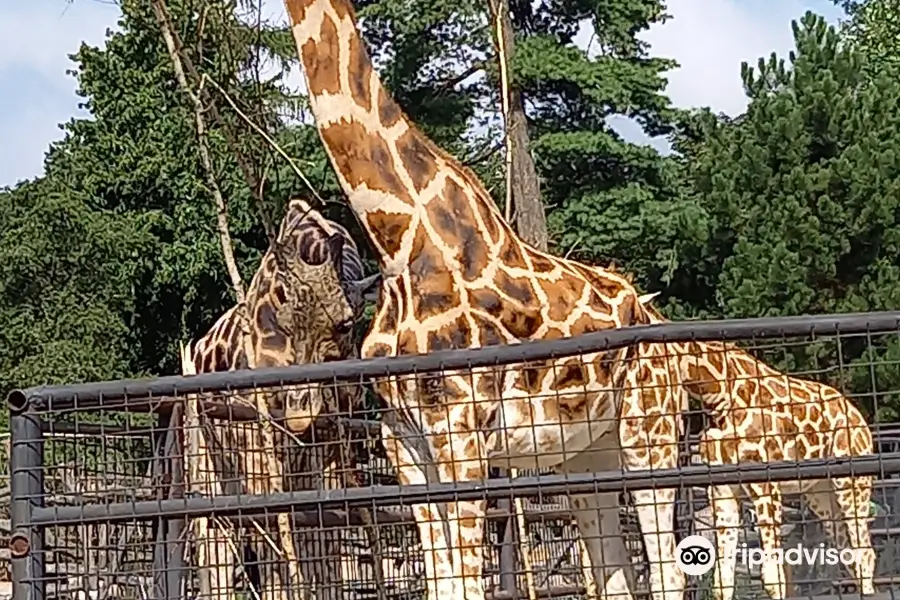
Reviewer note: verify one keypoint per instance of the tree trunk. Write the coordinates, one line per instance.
(527, 208)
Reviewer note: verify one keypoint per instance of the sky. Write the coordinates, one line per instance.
(708, 38)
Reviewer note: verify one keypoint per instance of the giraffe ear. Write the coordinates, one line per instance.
(367, 284)
(646, 298)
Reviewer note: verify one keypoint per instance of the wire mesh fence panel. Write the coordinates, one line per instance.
(767, 443)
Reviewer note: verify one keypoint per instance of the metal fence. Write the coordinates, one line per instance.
(169, 488)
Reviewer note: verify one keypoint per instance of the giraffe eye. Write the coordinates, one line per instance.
(344, 326)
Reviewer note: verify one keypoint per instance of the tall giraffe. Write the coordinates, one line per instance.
(455, 275)
(303, 301)
(760, 415)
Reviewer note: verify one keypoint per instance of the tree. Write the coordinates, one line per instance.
(800, 194)
(874, 28)
(607, 198)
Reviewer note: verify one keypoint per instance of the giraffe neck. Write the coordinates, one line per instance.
(387, 168)
(704, 368)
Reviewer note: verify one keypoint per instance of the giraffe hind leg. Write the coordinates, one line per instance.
(726, 515)
(842, 504)
(767, 502)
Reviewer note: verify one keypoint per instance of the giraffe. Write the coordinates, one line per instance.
(762, 415)
(302, 302)
(455, 275)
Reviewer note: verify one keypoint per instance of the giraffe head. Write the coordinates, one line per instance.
(305, 307)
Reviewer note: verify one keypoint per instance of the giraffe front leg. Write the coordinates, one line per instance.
(597, 516)
(767, 504)
(400, 446)
(461, 459)
(656, 515)
(726, 513)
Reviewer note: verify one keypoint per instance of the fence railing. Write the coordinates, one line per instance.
(91, 462)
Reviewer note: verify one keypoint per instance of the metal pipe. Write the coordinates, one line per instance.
(607, 481)
(26, 543)
(119, 394)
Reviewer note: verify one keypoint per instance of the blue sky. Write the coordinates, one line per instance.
(709, 38)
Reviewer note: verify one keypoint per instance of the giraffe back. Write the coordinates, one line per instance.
(792, 418)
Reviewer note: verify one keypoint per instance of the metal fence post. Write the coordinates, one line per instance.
(26, 462)
(168, 559)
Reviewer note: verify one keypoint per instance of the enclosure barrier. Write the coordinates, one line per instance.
(47, 422)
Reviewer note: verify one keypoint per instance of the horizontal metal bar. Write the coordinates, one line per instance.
(100, 394)
(607, 481)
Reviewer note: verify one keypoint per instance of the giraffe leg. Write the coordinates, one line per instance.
(649, 441)
(847, 508)
(597, 516)
(726, 511)
(433, 529)
(656, 515)
(768, 506)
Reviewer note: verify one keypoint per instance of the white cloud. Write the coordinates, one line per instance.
(709, 38)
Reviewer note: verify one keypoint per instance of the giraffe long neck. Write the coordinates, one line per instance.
(703, 368)
(387, 168)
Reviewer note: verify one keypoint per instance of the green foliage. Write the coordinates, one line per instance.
(801, 193)
(874, 29)
(112, 258)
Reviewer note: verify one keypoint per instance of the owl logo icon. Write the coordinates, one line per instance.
(695, 555)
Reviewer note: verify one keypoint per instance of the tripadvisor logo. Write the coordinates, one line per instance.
(696, 556)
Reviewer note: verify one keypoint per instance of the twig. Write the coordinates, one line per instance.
(498, 9)
(265, 429)
(221, 211)
(264, 135)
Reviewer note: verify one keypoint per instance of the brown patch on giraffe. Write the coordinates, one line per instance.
(588, 324)
(488, 333)
(360, 74)
(407, 342)
(488, 218)
(516, 288)
(321, 60)
(417, 158)
(488, 386)
(532, 375)
(379, 350)
(452, 336)
(279, 294)
(553, 334)
(521, 322)
(541, 264)
(389, 112)
(388, 321)
(400, 298)
(563, 294)
(452, 217)
(364, 158)
(297, 9)
(700, 380)
(570, 373)
(436, 290)
(511, 253)
(388, 229)
(608, 287)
